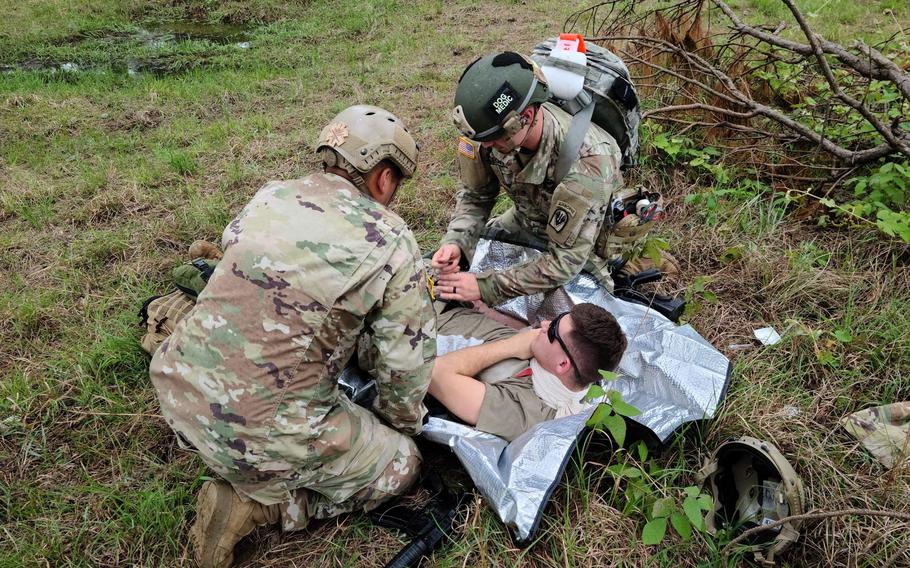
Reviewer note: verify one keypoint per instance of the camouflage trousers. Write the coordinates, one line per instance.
(596, 266)
(305, 503)
(380, 464)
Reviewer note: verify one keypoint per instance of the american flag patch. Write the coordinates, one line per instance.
(466, 148)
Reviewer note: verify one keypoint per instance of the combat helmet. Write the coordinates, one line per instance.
(753, 484)
(493, 91)
(361, 136)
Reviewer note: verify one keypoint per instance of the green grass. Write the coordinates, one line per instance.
(836, 20)
(106, 178)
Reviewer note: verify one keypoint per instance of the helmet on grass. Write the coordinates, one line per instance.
(753, 484)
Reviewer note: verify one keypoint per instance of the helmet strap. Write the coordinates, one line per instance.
(331, 158)
(513, 124)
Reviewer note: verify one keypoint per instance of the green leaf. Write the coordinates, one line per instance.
(608, 375)
(682, 525)
(731, 254)
(601, 413)
(894, 223)
(693, 512)
(843, 335)
(595, 392)
(692, 491)
(652, 251)
(617, 427)
(826, 357)
(705, 502)
(642, 451)
(620, 406)
(662, 508)
(620, 470)
(654, 531)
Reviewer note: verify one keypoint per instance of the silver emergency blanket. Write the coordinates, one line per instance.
(669, 372)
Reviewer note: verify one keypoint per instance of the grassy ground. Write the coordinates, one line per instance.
(105, 178)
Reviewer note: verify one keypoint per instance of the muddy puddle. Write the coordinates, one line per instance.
(165, 37)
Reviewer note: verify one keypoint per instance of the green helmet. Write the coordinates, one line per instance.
(492, 93)
(361, 136)
(754, 484)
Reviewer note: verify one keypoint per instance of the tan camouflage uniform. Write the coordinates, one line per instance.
(313, 272)
(568, 216)
(883, 430)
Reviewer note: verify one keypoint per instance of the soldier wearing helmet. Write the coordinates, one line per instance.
(511, 138)
(315, 271)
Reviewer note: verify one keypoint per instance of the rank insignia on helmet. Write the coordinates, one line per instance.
(338, 133)
(466, 148)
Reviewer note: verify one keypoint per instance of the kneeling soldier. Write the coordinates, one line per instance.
(315, 271)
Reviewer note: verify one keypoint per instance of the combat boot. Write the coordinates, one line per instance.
(222, 519)
(669, 266)
(205, 249)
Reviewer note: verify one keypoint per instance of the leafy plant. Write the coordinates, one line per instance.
(610, 413)
(683, 519)
(696, 294)
(648, 492)
(883, 195)
(703, 161)
(675, 147)
(649, 247)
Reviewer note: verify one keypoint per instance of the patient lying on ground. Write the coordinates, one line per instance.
(509, 380)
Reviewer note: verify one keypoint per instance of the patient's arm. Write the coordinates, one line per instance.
(453, 381)
(500, 317)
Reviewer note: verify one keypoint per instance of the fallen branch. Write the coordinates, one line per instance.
(900, 141)
(737, 97)
(694, 106)
(883, 68)
(812, 515)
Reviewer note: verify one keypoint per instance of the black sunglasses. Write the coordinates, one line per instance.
(553, 334)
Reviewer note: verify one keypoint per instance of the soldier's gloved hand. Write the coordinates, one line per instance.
(446, 259)
(461, 286)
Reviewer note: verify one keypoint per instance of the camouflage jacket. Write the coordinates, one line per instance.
(313, 271)
(568, 216)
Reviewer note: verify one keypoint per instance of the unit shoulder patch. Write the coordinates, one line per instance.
(562, 212)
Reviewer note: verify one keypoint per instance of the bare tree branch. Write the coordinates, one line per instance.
(901, 143)
(883, 69)
(696, 106)
(737, 97)
(817, 514)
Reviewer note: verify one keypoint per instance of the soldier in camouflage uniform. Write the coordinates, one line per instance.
(511, 138)
(315, 271)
